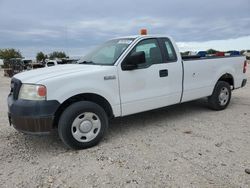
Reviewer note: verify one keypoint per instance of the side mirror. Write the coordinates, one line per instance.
(132, 61)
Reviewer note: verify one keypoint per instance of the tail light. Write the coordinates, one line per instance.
(245, 66)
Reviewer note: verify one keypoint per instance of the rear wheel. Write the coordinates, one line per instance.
(82, 125)
(221, 96)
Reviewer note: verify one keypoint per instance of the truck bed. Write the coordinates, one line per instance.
(201, 74)
(197, 57)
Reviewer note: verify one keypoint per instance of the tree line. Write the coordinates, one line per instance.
(40, 56)
(9, 53)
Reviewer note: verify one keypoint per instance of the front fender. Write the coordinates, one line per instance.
(63, 88)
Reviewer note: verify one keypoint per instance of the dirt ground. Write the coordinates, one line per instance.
(185, 145)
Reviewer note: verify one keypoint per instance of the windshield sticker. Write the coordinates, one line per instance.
(124, 41)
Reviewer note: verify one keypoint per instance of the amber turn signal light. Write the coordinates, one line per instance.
(42, 91)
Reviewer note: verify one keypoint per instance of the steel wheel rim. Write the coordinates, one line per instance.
(223, 96)
(86, 127)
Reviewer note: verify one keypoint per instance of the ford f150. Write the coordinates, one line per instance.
(123, 76)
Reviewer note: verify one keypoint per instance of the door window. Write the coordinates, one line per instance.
(152, 52)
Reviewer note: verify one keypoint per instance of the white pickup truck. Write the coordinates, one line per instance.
(123, 76)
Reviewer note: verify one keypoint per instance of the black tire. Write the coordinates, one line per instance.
(215, 101)
(74, 111)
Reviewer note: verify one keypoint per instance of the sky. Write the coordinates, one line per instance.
(76, 26)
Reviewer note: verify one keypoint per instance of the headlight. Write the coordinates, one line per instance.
(32, 92)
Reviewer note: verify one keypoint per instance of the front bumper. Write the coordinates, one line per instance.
(35, 117)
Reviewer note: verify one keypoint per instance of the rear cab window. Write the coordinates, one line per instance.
(49, 64)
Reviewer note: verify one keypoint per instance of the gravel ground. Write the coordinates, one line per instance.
(184, 145)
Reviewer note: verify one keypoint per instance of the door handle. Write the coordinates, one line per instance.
(163, 73)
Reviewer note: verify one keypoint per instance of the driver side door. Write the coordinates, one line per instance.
(150, 85)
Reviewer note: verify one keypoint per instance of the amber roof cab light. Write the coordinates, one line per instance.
(144, 32)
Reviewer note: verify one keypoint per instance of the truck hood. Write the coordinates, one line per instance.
(34, 76)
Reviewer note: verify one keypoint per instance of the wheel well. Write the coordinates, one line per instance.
(227, 78)
(83, 97)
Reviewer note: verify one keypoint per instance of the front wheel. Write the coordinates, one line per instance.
(82, 125)
(221, 96)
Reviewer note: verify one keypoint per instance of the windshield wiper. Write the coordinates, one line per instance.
(86, 62)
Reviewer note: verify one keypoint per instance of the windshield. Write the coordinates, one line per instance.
(107, 53)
